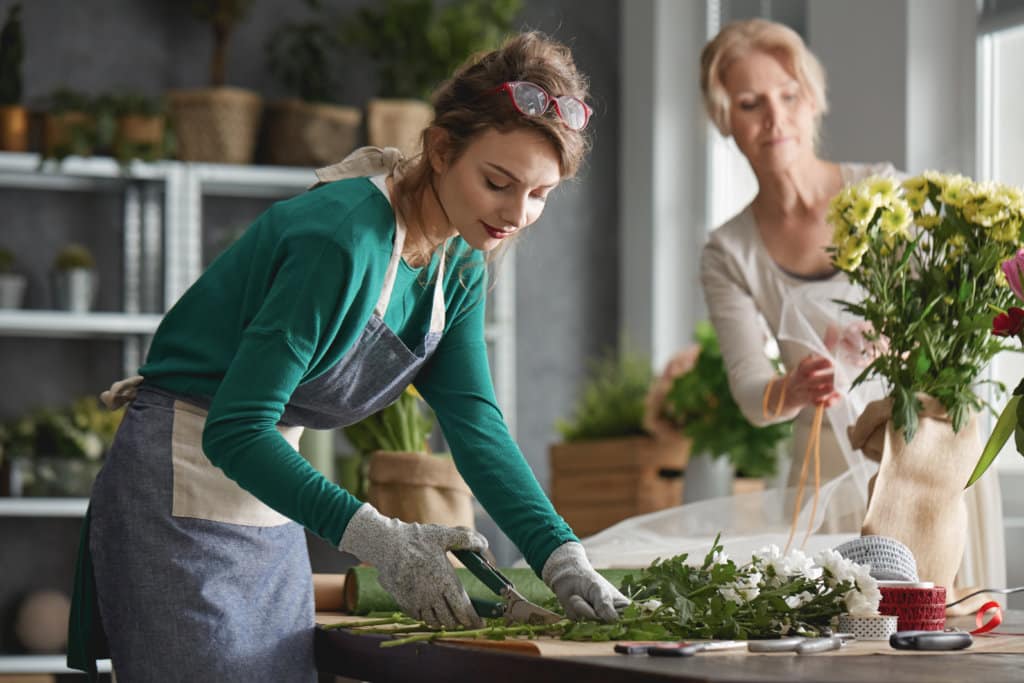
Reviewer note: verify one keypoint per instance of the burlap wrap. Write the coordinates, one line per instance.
(917, 496)
(416, 487)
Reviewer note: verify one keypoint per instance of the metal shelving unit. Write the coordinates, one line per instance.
(42, 664)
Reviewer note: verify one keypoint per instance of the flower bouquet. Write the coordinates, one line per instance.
(926, 253)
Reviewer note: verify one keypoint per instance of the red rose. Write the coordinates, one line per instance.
(1008, 324)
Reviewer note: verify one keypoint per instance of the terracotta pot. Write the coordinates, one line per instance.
(13, 128)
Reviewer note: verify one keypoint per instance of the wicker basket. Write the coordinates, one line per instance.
(298, 133)
(397, 123)
(216, 124)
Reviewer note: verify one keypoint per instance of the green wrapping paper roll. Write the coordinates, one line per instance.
(363, 592)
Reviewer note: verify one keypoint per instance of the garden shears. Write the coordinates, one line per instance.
(516, 609)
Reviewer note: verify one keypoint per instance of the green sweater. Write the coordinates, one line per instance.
(285, 303)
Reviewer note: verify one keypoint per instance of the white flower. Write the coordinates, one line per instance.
(794, 601)
(720, 557)
(649, 605)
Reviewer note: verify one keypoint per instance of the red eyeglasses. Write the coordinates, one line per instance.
(532, 100)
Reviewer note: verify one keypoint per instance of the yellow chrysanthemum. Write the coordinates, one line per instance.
(956, 191)
(916, 200)
(882, 186)
(862, 210)
(928, 221)
(896, 219)
(917, 185)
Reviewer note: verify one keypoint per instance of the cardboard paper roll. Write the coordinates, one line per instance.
(329, 592)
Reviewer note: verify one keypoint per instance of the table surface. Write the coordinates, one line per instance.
(360, 656)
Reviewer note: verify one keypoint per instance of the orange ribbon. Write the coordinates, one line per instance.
(813, 446)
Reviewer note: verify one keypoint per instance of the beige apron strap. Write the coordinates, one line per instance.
(365, 161)
(437, 315)
(121, 392)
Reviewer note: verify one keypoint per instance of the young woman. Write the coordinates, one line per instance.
(320, 315)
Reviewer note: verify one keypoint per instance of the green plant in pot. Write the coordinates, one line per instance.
(308, 128)
(12, 283)
(60, 450)
(217, 123)
(403, 477)
(139, 127)
(13, 114)
(700, 405)
(606, 466)
(69, 124)
(415, 45)
(75, 281)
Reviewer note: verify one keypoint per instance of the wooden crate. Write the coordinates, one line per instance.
(595, 484)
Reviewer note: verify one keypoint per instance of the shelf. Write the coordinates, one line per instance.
(234, 180)
(20, 323)
(41, 664)
(74, 173)
(28, 506)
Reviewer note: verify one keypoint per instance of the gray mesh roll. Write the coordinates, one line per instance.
(889, 559)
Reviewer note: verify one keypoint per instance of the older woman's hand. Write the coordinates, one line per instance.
(812, 382)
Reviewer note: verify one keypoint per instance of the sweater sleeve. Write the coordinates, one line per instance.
(273, 357)
(736, 319)
(456, 383)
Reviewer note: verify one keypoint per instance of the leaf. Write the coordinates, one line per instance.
(1005, 425)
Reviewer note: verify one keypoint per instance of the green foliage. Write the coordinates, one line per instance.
(768, 597)
(130, 103)
(612, 403)
(417, 45)
(83, 430)
(74, 256)
(403, 426)
(6, 260)
(12, 52)
(63, 99)
(222, 16)
(299, 57)
(701, 405)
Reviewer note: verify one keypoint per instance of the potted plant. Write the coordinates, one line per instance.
(12, 283)
(59, 451)
(415, 46)
(403, 477)
(69, 124)
(75, 281)
(607, 467)
(696, 401)
(218, 123)
(13, 114)
(140, 127)
(308, 128)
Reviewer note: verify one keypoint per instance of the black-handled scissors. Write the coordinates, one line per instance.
(517, 608)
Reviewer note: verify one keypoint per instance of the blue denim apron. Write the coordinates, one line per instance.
(196, 579)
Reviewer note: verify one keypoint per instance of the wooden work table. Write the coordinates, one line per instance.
(990, 659)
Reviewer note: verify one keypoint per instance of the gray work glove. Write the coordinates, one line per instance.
(582, 592)
(412, 565)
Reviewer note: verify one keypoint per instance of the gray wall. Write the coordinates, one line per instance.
(566, 267)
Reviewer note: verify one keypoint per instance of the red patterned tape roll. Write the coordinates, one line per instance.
(917, 608)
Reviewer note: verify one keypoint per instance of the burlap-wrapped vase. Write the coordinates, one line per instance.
(417, 487)
(917, 496)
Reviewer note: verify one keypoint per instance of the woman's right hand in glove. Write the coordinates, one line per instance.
(412, 565)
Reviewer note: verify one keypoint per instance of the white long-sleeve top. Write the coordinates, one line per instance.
(744, 290)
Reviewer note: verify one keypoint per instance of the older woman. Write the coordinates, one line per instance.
(764, 88)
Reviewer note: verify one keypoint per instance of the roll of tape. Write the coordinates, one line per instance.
(878, 627)
(918, 608)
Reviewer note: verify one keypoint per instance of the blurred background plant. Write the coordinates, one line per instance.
(59, 450)
(417, 44)
(700, 405)
(611, 404)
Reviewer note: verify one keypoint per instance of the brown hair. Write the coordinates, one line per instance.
(739, 39)
(466, 105)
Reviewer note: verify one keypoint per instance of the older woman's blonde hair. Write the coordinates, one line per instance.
(739, 39)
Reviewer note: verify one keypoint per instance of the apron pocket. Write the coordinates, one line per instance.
(201, 489)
